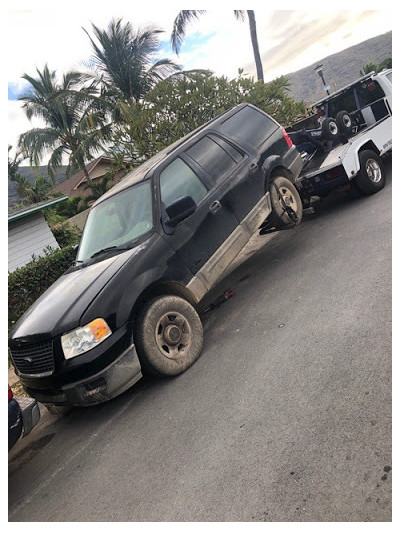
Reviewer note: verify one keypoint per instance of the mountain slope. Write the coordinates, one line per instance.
(339, 69)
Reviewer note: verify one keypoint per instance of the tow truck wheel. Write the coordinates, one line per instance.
(329, 129)
(169, 336)
(371, 176)
(287, 208)
(344, 123)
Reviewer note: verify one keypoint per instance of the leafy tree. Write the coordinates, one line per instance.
(14, 163)
(75, 122)
(97, 188)
(32, 193)
(186, 16)
(29, 192)
(69, 208)
(175, 108)
(376, 67)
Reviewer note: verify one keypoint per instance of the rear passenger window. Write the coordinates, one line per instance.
(215, 156)
(249, 126)
(178, 180)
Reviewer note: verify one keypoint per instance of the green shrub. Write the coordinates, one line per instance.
(27, 283)
(66, 234)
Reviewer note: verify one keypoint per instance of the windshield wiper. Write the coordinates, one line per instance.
(110, 248)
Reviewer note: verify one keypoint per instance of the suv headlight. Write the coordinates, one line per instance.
(83, 339)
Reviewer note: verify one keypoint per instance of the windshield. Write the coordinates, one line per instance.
(120, 219)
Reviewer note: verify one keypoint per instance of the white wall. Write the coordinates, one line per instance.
(27, 236)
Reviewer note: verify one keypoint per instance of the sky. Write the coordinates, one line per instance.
(289, 39)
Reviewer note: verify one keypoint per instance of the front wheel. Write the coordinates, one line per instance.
(371, 176)
(169, 336)
(287, 209)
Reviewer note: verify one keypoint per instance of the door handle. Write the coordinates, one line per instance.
(253, 167)
(214, 207)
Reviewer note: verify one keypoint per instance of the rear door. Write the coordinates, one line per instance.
(231, 170)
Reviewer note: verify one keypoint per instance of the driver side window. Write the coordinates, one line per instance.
(178, 180)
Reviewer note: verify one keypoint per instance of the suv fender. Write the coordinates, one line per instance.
(269, 168)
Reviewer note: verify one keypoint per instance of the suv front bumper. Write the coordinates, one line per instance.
(113, 380)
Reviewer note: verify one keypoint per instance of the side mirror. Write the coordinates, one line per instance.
(179, 210)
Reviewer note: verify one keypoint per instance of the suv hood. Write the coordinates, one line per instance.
(60, 308)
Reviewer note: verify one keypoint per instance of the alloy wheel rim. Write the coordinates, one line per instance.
(373, 171)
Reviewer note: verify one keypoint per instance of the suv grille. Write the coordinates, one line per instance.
(34, 359)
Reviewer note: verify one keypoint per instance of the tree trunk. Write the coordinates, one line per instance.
(254, 42)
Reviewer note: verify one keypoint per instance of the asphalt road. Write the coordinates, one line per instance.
(286, 416)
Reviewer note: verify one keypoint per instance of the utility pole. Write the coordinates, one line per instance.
(318, 69)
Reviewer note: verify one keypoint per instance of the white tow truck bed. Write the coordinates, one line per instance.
(380, 134)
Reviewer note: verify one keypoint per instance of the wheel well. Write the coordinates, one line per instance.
(161, 289)
(369, 146)
(278, 171)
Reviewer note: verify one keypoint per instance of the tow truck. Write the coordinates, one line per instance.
(343, 142)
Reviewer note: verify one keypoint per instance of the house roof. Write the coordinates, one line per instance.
(70, 186)
(34, 208)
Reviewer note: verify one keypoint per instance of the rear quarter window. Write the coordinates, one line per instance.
(250, 126)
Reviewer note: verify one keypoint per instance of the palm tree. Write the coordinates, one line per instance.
(186, 16)
(125, 60)
(74, 121)
(32, 193)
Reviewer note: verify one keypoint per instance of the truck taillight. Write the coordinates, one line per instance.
(10, 394)
(287, 138)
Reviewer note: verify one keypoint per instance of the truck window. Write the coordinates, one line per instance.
(178, 180)
(343, 102)
(369, 92)
(215, 156)
(250, 126)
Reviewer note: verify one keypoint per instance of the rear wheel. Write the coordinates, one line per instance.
(287, 209)
(169, 336)
(371, 176)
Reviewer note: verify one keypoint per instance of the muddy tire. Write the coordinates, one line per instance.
(371, 176)
(284, 193)
(169, 336)
(329, 129)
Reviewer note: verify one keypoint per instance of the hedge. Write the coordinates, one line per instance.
(27, 283)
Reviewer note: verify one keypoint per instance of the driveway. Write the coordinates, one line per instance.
(286, 416)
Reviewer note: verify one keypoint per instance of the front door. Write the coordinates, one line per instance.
(200, 236)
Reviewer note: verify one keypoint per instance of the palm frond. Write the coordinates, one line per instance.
(240, 14)
(181, 22)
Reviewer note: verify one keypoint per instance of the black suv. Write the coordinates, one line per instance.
(151, 249)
